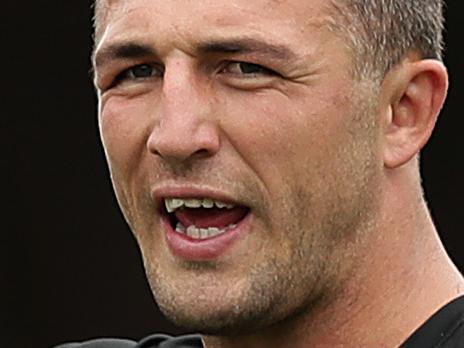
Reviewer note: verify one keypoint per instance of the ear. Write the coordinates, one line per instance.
(413, 94)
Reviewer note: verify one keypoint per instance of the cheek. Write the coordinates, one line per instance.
(280, 136)
(123, 128)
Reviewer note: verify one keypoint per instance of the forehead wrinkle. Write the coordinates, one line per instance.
(103, 7)
(321, 18)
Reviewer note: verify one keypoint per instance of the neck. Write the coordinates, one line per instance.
(401, 277)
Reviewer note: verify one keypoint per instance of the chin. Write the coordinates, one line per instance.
(224, 312)
(220, 322)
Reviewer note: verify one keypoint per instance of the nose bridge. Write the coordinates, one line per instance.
(182, 98)
(185, 124)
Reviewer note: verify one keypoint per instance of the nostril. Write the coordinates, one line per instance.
(183, 154)
(202, 153)
(177, 140)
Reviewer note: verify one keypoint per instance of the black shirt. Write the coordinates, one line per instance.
(153, 341)
(444, 329)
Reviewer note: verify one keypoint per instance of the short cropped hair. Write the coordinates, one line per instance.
(379, 32)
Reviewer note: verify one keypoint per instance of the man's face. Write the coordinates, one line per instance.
(248, 103)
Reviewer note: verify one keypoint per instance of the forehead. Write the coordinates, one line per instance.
(290, 18)
(262, 6)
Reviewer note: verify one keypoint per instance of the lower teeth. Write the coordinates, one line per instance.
(202, 233)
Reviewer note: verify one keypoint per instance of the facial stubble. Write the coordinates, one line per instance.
(279, 287)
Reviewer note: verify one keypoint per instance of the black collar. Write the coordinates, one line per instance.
(439, 327)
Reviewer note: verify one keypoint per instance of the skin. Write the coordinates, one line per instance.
(340, 236)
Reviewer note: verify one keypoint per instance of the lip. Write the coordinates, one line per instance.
(189, 249)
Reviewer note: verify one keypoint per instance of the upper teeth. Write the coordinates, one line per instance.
(172, 204)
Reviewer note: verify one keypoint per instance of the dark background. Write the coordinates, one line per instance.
(69, 267)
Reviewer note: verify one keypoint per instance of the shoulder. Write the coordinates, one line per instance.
(153, 341)
(444, 329)
(100, 343)
(454, 336)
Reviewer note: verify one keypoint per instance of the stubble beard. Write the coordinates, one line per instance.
(275, 289)
(270, 291)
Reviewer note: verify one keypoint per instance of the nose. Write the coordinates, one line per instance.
(185, 127)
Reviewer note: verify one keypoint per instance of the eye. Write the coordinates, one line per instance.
(250, 69)
(139, 72)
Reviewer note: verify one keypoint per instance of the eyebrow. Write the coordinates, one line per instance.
(247, 45)
(134, 50)
(122, 51)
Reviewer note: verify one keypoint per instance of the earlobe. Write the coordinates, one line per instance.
(417, 91)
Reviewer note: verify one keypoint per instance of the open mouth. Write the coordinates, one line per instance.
(203, 218)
